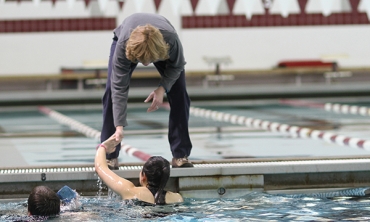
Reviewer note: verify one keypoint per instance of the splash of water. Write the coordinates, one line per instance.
(100, 185)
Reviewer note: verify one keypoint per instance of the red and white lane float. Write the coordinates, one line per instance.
(90, 132)
(347, 109)
(277, 127)
(330, 107)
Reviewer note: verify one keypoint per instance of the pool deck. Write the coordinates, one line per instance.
(196, 93)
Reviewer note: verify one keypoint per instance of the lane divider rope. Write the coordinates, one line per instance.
(347, 109)
(330, 107)
(278, 127)
(90, 132)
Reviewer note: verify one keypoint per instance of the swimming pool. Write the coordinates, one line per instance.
(31, 138)
(255, 206)
(34, 139)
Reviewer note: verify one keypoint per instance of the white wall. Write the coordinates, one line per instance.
(46, 53)
(263, 48)
(249, 48)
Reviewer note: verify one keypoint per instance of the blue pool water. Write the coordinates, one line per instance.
(34, 139)
(255, 206)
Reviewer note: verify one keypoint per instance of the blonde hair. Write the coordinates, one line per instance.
(146, 44)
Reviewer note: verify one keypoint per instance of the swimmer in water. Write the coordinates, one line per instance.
(43, 201)
(153, 178)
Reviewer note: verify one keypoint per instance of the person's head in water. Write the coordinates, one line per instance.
(155, 174)
(43, 201)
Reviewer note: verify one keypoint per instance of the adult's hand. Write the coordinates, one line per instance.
(157, 97)
(118, 134)
(111, 144)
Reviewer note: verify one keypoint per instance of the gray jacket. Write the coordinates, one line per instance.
(120, 79)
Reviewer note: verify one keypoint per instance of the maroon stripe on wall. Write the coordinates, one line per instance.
(57, 25)
(267, 20)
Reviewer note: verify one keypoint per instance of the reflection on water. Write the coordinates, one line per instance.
(255, 206)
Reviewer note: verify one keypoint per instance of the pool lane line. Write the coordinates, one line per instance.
(302, 132)
(330, 107)
(73, 124)
(90, 132)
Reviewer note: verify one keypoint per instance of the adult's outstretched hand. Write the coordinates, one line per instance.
(157, 99)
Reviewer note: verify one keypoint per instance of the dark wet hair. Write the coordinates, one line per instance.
(157, 171)
(43, 201)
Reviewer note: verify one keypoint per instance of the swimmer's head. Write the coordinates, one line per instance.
(43, 201)
(156, 170)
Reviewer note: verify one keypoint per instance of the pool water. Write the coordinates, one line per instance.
(35, 139)
(256, 206)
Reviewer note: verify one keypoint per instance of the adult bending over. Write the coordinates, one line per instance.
(153, 178)
(147, 38)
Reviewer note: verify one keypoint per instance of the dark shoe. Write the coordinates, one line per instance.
(113, 164)
(181, 162)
